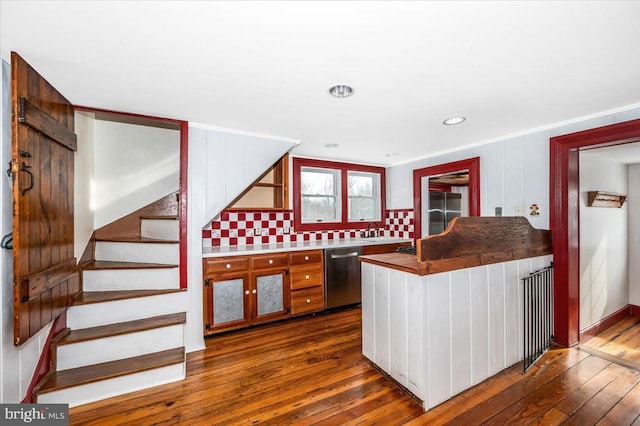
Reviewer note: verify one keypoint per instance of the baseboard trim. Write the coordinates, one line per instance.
(606, 322)
(635, 310)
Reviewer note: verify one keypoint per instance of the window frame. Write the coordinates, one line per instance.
(343, 224)
(336, 195)
(375, 191)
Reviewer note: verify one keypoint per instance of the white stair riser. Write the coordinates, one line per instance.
(103, 389)
(96, 314)
(137, 252)
(117, 347)
(130, 279)
(162, 229)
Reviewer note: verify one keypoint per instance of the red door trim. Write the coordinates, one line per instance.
(184, 145)
(472, 164)
(564, 218)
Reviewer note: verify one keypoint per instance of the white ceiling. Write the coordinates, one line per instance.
(266, 67)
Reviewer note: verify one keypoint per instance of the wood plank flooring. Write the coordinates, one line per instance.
(311, 371)
(621, 341)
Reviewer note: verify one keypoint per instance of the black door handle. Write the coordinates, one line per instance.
(25, 168)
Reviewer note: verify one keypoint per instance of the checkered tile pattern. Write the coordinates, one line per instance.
(399, 223)
(248, 227)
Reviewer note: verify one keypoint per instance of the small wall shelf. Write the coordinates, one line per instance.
(605, 199)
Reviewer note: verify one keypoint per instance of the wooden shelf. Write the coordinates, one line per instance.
(268, 192)
(605, 199)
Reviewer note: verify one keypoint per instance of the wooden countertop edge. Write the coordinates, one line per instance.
(409, 263)
(398, 261)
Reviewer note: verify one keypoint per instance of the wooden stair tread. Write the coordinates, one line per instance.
(109, 370)
(88, 297)
(136, 240)
(92, 333)
(159, 217)
(105, 264)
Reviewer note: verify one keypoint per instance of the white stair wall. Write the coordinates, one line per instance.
(103, 389)
(137, 252)
(162, 229)
(112, 348)
(96, 314)
(131, 279)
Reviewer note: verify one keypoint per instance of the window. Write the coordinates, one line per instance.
(364, 196)
(331, 195)
(320, 195)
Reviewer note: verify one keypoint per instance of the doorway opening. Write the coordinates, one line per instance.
(564, 218)
(136, 169)
(437, 176)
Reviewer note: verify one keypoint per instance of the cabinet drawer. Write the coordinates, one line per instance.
(308, 300)
(303, 278)
(225, 264)
(306, 257)
(269, 261)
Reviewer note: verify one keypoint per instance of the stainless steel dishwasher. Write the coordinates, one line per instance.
(342, 276)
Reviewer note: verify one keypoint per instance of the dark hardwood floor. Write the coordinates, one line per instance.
(310, 371)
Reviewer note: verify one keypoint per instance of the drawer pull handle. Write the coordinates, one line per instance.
(307, 277)
(254, 291)
(270, 261)
(308, 300)
(306, 258)
(228, 266)
(246, 292)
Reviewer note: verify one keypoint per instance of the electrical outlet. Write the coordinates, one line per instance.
(257, 232)
(518, 210)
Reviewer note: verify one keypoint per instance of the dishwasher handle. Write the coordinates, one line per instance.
(343, 255)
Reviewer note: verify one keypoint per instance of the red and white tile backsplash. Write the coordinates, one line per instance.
(247, 227)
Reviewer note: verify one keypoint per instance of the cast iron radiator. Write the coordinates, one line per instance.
(538, 314)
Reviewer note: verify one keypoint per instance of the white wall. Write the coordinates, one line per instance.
(83, 182)
(134, 166)
(222, 163)
(16, 364)
(514, 171)
(634, 234)
(604, 278)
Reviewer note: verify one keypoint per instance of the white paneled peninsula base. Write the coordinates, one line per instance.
(440, 333)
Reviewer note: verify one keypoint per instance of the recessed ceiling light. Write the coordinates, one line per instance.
(341, 91)
(453, 120)
(331, 145)
(392, 154)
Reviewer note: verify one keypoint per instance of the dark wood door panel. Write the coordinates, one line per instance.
(46, 277)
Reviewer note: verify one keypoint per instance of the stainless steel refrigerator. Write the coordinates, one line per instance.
(443, 207)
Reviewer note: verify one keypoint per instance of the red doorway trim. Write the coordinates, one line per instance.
(564, 194)
(471, 164)
(184, 144)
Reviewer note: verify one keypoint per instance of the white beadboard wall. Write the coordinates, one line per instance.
(222, 163)
(634, 234)
(440, 334)
(514, 170)
(604, 241)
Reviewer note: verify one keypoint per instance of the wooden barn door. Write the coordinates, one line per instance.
(46, 277)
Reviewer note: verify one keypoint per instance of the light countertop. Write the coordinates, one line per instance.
(297, 246)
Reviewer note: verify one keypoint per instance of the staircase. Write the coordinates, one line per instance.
(126, 329)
